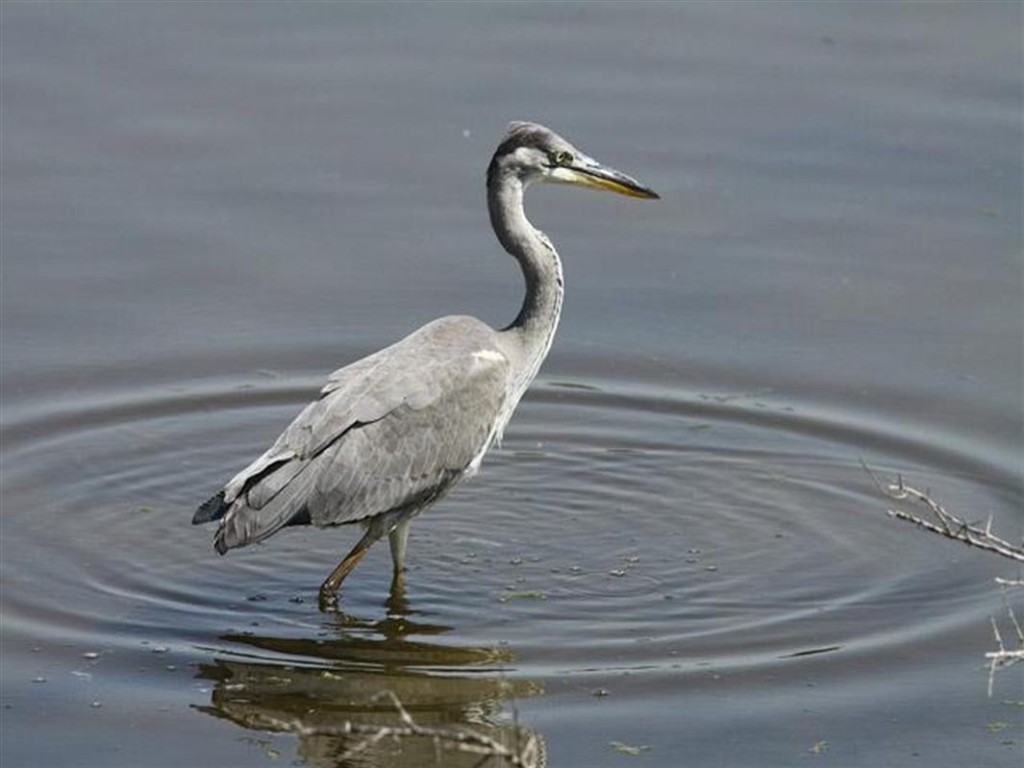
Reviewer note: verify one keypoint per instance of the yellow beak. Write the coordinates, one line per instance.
(587, 172)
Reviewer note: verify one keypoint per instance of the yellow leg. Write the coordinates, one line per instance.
(329, 589)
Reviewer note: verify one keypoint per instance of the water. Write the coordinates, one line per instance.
(676, 557)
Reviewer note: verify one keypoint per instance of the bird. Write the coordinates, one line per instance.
(394, 432)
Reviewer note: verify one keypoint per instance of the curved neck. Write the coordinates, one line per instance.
(534, 327)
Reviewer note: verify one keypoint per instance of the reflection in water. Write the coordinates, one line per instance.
(343, 681)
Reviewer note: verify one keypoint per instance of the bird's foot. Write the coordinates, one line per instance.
(397, 604)
(328, 600)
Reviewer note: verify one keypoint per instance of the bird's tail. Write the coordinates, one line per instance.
(212, 509)
(244, 525)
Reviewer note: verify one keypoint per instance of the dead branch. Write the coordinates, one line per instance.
(1004, 657)
(947, 524)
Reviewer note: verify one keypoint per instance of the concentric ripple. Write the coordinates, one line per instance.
(679, 510)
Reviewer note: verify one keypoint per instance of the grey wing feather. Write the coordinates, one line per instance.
(391, 431)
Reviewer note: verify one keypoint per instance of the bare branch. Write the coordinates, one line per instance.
(1016, 624)
(1009, 582)
(940, 521)
(1003, 657)
(949, 525)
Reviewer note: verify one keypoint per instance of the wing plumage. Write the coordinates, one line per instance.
(391, 431)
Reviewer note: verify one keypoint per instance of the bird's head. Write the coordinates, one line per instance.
(531, 152)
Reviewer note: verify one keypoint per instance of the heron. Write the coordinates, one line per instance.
(394, 432)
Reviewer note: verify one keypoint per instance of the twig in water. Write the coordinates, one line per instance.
(953, 527)
(948, 525)
(1003, 657)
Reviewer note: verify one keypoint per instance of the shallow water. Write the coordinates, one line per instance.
(676, 557)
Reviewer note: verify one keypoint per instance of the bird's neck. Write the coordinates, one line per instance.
(533, 330)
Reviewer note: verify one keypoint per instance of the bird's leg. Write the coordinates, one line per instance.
(329, 589)
(397, 538)
(396, 603)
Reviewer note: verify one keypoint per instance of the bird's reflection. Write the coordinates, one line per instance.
(349, 675)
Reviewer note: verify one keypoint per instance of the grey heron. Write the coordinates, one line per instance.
(394, 432)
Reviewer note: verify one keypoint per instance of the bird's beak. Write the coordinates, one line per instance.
(587, 172)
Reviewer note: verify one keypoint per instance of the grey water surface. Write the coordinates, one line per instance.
(676, 557)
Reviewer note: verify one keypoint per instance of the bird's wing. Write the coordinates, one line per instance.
(387, 431)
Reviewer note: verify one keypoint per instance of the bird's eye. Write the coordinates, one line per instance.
(561, 158)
